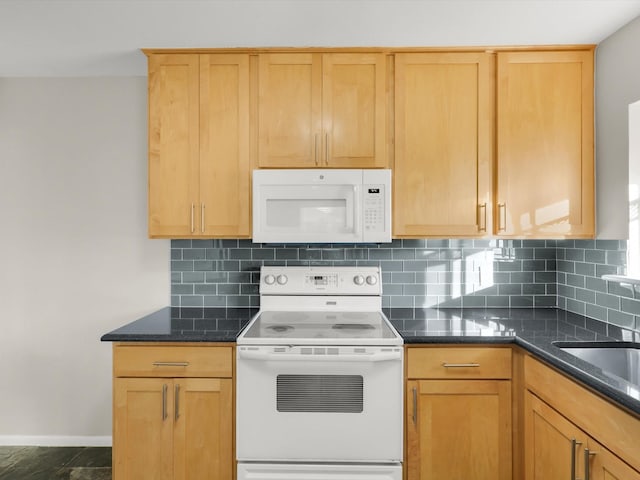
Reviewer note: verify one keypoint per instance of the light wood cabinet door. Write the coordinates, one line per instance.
(443, 144)
(545, 169)
(354, 110)
(180, 429)
(289, 110)
(458, 429)
(143, 429)
(225, 168)
(199, 141)
(203, 428)
(173, 143)
(322, 110)
(552, 444)
(604, 465)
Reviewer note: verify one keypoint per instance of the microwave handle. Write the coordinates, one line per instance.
(296, 357)
(357, 218)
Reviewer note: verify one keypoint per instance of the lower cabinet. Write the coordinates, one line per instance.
(170, 424)
(555, 447)
(458, 413)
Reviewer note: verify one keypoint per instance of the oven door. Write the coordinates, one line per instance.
(319, 404)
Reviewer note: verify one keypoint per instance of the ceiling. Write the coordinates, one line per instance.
(103, 37)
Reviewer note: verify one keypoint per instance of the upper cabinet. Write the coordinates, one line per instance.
(199, 140)
(545, 170)
(443, 144)
(325, 110)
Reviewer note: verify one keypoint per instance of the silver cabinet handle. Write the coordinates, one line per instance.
(587, 463)
(482, 220)
(177, 402)
(326, 149)
(202, 218)
(574, 444)
(502, 217)
(315, 149)
(460, 365)
(193, 227)
(170, 364)
(415, 406)
(164, 402)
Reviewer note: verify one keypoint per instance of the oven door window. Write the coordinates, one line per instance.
(320, 393)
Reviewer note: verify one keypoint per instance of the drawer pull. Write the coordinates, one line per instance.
(460, 365)
(170, 364)
(574, 444)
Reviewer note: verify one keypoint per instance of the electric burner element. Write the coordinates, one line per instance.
(353, 326)
(280, 328)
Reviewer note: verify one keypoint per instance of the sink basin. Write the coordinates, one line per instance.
(621, 359)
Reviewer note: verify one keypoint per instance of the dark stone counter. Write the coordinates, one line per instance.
(535, 330)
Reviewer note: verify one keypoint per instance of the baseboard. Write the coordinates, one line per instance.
(55, 441)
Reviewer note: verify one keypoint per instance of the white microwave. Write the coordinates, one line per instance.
(322, 206)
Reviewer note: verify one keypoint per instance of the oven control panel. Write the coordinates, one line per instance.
(320, 281)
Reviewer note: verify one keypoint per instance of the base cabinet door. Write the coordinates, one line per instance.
(459, 429)
(552, 443)
(556, 448)
(601, 464)
(142, 433)
(173, 429)
(203, 425)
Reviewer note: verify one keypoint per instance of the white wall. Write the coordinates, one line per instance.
(617, 86)
(76, 260)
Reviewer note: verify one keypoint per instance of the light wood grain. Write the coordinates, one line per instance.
(289, 110)
(604, 465)
(354, 110)
(548, 446)
(203, 446)
(142, 438)
(463, 430)
(444, 146)
(138, 361)
(427, 362)
(173, 143)
(618, 430)
(225, 168)
(545, 173)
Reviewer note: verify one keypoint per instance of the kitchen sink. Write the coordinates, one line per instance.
(621, 359)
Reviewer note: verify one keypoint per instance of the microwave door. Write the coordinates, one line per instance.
(309, 214)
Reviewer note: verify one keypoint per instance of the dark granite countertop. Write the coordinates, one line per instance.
(535, 330)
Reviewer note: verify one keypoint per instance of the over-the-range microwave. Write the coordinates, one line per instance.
(322, 206)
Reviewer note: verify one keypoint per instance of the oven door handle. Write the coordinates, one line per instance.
(308, 357)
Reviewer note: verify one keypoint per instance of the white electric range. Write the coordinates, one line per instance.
(319, 379)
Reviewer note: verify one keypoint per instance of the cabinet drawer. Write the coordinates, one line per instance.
(172, 361)
(458, 362)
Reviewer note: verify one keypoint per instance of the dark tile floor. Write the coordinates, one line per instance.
(55, 463)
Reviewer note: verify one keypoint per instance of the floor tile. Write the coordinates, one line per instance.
(55, 463)
(92, 457)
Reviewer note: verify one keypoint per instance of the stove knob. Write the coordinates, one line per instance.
(372, 279)
(282, 279)
(269, 279)
(358, 280)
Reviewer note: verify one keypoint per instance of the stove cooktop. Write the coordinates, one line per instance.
(330, 328)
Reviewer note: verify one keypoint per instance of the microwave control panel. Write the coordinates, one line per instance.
(374, 208)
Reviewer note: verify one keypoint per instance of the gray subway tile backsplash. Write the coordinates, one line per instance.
(419, 273)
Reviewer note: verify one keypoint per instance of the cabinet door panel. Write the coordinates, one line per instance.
(289, 110)
(354, 110)
(443, 130)
(545, 144)
(604, 465)
(548, 443)
(224, 146)
(142, 448)
(173, 143)
(462, 429)
(203, 416)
